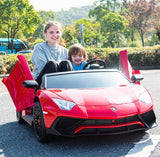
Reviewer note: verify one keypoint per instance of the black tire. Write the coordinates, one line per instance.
(38, 123)
(19, 117)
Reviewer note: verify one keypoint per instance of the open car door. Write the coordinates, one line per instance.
(21, 96)
(127, 69)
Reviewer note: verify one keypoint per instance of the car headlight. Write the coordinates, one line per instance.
(63, 104)
(145, 97)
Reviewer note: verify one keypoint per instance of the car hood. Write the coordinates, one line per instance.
(101, 96)
(119, 101)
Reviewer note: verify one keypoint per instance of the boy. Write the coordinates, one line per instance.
(77, 55)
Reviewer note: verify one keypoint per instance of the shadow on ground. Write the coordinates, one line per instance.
(19, 140)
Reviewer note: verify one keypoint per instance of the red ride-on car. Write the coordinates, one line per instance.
(95, 101)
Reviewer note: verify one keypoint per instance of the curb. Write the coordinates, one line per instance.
(147, 68)
(4, 75)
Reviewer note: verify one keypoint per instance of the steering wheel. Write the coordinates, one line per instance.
(98, 64)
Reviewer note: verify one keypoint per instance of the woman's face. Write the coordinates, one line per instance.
(53, 35)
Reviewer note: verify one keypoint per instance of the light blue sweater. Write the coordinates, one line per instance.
(43, 53)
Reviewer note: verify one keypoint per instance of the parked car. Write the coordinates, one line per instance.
(7, 44)
(88, 102)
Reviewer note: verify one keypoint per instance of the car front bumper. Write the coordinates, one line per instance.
(67, 126)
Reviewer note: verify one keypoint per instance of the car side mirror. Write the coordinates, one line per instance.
(136, 78)
(30, 84)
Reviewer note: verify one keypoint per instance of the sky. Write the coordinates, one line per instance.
(58, 5)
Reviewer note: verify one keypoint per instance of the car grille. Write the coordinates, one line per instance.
(110, 131)
(74, 126)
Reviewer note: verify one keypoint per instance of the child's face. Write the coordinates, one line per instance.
(77, 59)
(53, 35)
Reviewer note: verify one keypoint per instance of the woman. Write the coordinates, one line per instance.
(49, 56)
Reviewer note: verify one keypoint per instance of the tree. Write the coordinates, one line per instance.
(102, 7)
(155, 22)
(68, 35)
(138, 13)
(98, 12)
(18, 15)
(72, 15)
(112, 26)
(96, 32)
(91, 31)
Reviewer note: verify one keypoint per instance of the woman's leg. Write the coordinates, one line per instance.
(50, 67)
(65, 66)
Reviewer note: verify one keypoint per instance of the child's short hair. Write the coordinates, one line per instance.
(52, 23)
(75, 49)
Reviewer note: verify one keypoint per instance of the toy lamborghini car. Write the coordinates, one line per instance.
(95, 101)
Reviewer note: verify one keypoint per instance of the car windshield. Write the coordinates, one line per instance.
(77, 80)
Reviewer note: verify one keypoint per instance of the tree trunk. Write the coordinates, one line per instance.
(141, 33)
(158, 35)
(132, 35)
(96, 41)
(142, 40)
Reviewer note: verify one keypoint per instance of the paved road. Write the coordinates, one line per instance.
(19, 141)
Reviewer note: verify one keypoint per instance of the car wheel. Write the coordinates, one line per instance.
(38, 123)
(19, 117)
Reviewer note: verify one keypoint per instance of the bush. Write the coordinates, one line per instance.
(7, 62)
(138, 57)
(133, 44)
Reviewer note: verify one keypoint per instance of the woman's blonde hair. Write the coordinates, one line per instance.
(52, 23)
(75, 49)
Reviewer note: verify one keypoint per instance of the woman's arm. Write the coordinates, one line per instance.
(38, 59)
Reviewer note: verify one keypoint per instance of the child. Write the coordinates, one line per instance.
(77, 55)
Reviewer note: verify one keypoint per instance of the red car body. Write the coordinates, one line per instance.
(108, 110)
